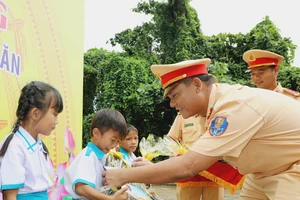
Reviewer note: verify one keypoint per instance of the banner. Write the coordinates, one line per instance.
(43, 40)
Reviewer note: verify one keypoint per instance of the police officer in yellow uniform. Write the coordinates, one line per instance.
(187, 132)
(263, 68)
(256, 130)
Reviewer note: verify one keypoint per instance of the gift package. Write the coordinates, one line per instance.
(136, 191)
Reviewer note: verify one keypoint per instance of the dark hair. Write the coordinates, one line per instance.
(131, 128)
(106, 119)
(39, 95)
(272, 67)
(206, 78)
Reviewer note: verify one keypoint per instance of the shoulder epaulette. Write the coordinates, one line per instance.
(291, 92)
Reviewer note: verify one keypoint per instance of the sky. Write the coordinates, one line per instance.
(105, 18)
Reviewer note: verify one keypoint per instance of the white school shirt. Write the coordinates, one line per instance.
(127, 157)
(24, 166)
(86, 168)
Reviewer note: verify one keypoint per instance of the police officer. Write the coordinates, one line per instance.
(263, 68)
(244, 125)
(187, 132)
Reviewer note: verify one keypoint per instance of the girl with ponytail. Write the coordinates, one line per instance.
(25, 163)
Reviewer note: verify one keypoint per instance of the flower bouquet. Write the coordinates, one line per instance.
(136, 191)
(155, 146)
(115, 159)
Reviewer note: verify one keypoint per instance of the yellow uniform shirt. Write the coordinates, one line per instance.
(187, 131)
(291, 93)
(256, 130)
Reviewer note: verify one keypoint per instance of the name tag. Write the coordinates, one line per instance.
(189, 124)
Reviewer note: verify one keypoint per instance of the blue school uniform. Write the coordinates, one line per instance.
(129, 159)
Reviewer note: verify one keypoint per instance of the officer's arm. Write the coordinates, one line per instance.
(167, 171)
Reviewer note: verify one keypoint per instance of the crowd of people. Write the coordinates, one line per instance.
(256, 130)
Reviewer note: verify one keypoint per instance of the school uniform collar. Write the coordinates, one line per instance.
(28, 141)
(124, 153)
(92, 147)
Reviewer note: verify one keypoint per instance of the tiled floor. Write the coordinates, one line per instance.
(168, 192)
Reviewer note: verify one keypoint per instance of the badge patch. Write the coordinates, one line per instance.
(291, 92)
(189, 124)
(252, 58)
(218, 126)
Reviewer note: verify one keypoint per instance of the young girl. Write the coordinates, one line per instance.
(129, 144)
(83, 178)
(25, 163)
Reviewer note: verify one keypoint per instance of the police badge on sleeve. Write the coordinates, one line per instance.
(218, 126)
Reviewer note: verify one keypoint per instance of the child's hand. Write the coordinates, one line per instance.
(140, 161)
(121, 194)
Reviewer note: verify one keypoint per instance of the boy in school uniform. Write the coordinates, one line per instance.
(83, 177)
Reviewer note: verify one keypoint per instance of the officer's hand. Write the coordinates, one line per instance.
(141, 162)
(113, 177)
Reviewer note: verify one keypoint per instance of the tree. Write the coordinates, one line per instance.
(265, 35)
(172, 35)
(229, 48)
(89, 89)
(124, 83)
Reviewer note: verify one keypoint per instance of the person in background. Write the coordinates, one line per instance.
(129, 144)
(264, 69)
(25, 163)
(83, 177)
(187, 132)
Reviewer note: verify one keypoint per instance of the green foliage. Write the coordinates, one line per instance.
(128, 85)
(289, 77)
(180, 34)
(89, 89)
(229, 48)
(172, 35)
(265, 35)
(138, 42)
(86, 122)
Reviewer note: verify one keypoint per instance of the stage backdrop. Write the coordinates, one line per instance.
(43, 40)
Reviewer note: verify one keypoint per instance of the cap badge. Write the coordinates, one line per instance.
(252, 58)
